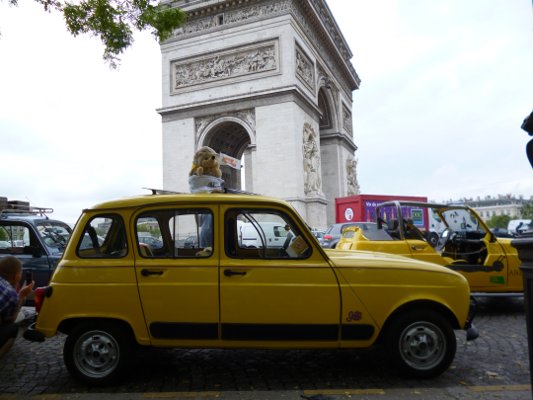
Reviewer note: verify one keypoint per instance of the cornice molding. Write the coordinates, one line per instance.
(313, 16)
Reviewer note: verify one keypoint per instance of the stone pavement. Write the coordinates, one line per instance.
(495, 366)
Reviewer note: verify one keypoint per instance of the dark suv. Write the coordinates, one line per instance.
(36, 240)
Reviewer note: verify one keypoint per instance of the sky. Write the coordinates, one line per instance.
(445, 86)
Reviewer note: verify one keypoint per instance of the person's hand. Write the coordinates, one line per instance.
(26, 289)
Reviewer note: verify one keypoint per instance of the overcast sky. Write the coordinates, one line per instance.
(445, 88)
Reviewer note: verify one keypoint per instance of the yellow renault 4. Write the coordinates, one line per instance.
(212, 277)
(452, 235)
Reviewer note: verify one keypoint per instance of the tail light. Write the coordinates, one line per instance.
(40, 293)
(328, 237)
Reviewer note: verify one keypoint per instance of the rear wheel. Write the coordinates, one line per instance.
(97, 353)
(421, 344)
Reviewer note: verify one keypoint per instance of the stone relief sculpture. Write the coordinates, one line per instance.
(305, 69)
(311, 153)
(241, 61)
(235, 16)
(351, 176)
(347, 119)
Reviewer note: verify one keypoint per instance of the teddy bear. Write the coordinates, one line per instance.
(205, 162)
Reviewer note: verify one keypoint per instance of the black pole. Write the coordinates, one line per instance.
(524, 245)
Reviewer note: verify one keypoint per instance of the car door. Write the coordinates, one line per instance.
(271, 295)
(178, 282)
(23, 243)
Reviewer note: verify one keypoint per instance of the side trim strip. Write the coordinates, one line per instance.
(175, 330)
(260, 332)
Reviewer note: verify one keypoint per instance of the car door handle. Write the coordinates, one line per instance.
(148, 272)
(418, 247)
(230, 272)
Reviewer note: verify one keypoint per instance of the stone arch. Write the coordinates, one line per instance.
(232, 136)
(326, 104)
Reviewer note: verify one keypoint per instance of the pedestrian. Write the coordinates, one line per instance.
(12, 296)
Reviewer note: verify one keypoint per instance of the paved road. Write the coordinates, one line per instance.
(496, 365)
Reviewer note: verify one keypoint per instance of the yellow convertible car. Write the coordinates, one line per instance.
(450, 235)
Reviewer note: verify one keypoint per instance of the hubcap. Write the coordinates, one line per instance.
(96, 354)
(422, 345)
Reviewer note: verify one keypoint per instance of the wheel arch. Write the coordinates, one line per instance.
(66, 326)
(431, 305)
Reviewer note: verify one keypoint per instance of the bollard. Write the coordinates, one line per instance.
(524, 245)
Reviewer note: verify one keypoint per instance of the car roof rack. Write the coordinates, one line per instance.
(17, 208)
(161, 191)
(226, 190)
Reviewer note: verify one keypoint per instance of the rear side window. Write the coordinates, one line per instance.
(103, 237)
(175, 233)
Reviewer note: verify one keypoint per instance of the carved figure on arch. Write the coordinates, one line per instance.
(351, 176)
(311, 159)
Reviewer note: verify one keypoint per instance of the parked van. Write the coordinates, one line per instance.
(517, 226)
(274, 234)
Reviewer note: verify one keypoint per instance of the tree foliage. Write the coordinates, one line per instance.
(527, 211)
(499, 221)
(114, 21)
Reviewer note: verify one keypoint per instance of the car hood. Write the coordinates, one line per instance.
(372, 259)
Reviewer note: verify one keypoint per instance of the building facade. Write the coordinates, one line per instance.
(268, 82)
(491, 206)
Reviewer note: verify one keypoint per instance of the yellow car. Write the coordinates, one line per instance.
(238, 271)
(450, 235)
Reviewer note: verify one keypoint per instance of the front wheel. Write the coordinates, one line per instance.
(97, 352)
(421, 344)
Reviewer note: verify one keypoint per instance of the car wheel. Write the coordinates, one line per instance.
(433, 239)
(421, 344)
(97, 353)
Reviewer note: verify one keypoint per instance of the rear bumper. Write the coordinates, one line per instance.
(471, 331)
(32, 334)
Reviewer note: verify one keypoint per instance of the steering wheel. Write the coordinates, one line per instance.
(446, 236)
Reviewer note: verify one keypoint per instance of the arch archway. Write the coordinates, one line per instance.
(229, 136)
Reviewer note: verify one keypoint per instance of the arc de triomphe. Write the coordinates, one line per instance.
(269, 82)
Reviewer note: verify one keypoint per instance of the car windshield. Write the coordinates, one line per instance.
(461, 220)
(55, 234)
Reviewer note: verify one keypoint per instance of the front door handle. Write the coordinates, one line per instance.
(148, 272)
(418, 247)
(230, 272)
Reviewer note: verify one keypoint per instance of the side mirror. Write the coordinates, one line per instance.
(35, 251)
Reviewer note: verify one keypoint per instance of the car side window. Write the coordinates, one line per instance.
(175, 233)
(15, 239)
(103, 237)
(263, 234)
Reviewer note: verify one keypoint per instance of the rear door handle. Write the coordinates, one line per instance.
(230, 272)
(148, 272)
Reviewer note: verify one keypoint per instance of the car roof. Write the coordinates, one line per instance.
(195, 198)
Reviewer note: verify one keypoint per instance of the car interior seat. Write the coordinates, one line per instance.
(392, 228)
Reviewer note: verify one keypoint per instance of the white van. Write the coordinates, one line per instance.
(275, 234)
(517, 226)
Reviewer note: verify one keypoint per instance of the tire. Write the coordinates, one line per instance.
(433, 239)
(97, 353)
(420, 343)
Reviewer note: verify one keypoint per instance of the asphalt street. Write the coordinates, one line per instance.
(495, 366)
